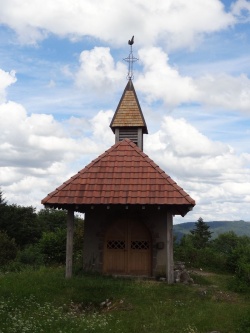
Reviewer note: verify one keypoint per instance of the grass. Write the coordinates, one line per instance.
(44, 301)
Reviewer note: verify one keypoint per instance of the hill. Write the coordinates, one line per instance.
(241, 228)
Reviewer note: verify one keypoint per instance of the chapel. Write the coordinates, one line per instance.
(129, 202)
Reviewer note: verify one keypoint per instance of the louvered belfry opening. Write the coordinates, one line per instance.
(128, 121)
(129, 133)
(132, 133)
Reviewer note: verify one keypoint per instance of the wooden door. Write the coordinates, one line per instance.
(127, 248)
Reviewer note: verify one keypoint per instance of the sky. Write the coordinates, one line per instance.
(62, 75)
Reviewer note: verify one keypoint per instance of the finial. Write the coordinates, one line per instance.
(130, 59)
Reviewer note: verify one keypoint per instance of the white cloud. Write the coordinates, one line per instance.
(186, 141)
(100, 126)
(181, 23)
(211, 172)
(226, 91)
(38, 152)
(99, 71)
(6, 79)
(241, 9)
(161, 81)
(38, 140)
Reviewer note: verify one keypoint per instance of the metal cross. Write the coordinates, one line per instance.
(130, 59)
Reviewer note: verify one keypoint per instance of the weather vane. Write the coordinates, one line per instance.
(130, 59)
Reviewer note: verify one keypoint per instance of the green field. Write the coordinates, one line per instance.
(44, 301)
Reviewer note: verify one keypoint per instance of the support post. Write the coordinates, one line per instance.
(140, 138)
(117, 135)
(69, 245)
(170, 251)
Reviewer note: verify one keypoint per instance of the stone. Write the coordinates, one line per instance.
(181, 275)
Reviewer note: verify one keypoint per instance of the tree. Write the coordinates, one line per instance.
(225, 243)
(3, 201)
(201, 234)
(20, 223)
(51, 219)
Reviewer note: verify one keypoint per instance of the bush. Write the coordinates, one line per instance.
(53, 246)
(241, 255)
(210, 259)
(244, 324)
(185, 251)
(228, 253)
(31, 255)
(239, 286)
(8, 249)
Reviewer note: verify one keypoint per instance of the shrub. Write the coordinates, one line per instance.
(242, 262)
(31, 255)
(244, 324)
(53, 246)
(185, 251)
(228, 253)
(8, 249)
(210, 259)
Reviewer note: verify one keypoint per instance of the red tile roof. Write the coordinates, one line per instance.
(121, 175)
(128, 112)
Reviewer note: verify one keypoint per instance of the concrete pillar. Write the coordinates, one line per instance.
(170, 251)
(69, 245)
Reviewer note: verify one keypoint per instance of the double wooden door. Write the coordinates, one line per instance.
(127, 248)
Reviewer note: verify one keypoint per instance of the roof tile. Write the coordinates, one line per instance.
(122, 175)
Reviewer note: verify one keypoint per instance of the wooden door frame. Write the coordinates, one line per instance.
(128, 238)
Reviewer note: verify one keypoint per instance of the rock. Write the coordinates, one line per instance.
(181, 274)
(177, 274)
(179, 265)
(184, 276)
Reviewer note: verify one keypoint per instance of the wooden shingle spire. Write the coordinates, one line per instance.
(128, 121)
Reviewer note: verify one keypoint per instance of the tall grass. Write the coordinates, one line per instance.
(43, 301)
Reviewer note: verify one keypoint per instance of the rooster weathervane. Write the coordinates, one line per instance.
(130, 59)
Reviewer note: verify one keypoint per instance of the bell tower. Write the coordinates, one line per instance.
(128, 120)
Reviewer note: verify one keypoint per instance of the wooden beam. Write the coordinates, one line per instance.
(170, 251)
(140, 138)
(117, 135)
(69, 245)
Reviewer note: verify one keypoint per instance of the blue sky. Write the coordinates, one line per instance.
(62, 75)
